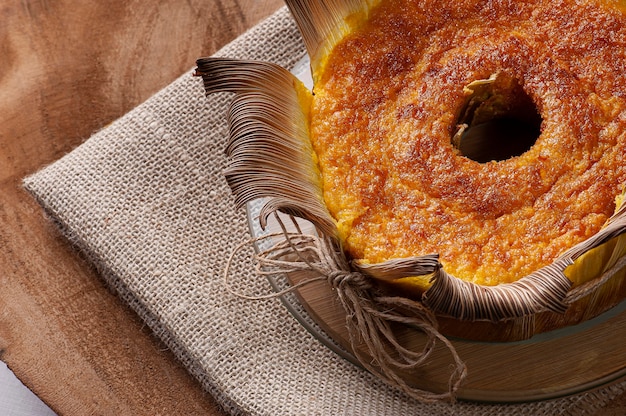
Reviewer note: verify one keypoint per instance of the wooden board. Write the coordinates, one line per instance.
(67, 69)
(547, 366)
(550, 365)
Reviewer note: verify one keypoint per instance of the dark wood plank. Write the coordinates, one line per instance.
(67, 69)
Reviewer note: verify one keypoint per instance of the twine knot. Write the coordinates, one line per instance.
(338, 278)
(369, 316)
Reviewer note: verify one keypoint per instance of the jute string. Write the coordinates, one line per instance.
(369, 315)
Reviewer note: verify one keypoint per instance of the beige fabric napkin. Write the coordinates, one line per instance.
(146, 200)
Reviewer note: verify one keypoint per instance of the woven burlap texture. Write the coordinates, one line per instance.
(146, 201)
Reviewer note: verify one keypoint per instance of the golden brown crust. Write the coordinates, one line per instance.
(387, 106)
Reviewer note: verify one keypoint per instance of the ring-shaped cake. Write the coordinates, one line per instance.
(392, 94)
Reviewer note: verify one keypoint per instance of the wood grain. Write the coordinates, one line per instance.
(588, 356)
(68, 69)
(559, 363)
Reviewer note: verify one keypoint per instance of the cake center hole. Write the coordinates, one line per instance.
(499, 120)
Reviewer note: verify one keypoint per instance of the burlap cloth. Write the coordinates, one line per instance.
(145, 199)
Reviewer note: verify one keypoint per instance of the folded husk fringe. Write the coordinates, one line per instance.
(270, 154)
(324, 23)
(271, 157)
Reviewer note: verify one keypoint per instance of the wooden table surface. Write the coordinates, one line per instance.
(67, 69)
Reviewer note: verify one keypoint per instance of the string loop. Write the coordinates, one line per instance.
(370, 316)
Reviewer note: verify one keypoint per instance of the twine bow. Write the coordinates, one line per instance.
(370, 316)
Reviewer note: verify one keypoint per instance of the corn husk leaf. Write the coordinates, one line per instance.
(270, 154)
(600, 257)
(324, 23)
(449, 296)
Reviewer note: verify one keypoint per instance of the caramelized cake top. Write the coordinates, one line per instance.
(389, 101)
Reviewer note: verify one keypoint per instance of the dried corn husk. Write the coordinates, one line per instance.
(269, 150)
(324, 23)
(271, 157)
